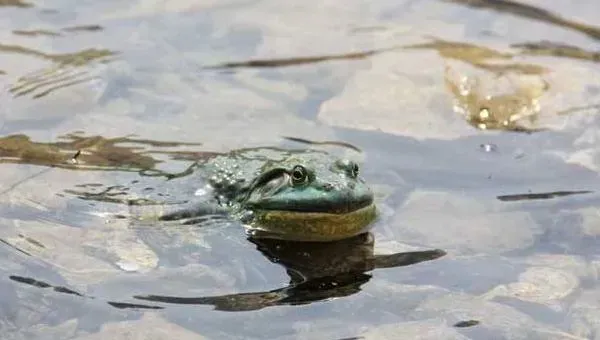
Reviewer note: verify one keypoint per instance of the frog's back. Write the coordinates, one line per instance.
(230, 173)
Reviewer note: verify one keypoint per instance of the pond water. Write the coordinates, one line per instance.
(476, 123)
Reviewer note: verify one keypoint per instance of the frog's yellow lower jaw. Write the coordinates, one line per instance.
(311, 226)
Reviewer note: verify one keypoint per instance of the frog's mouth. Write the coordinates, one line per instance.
(311, 226)
(336, 205)
(273, 192)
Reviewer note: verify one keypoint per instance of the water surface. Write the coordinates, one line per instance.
(476, 124)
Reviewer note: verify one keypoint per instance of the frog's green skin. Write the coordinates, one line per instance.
(305, 195)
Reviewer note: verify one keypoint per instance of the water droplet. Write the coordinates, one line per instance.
(489, 147)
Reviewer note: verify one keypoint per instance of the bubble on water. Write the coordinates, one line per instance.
(488, 147)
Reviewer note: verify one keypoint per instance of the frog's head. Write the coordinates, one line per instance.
(310, 197)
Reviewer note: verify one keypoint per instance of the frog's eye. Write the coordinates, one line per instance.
(354, 170)
(349, 167)
(299, 175)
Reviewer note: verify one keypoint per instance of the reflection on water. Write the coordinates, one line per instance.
(113, 263)
(42, 284)
(479, 56)
(317, 271)
(74, 29)
(83, 28)
(79, 58)
(35, 33)
(93, 152)
(15, 247)
(285, 62)
(68, 70)
(541, 195)
(312, 142)
(61, 289)
(466, 323)
(96, 153)
(549, 48)
(531, 12)
(592, 108)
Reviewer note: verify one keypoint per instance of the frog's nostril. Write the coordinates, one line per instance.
(327, 187)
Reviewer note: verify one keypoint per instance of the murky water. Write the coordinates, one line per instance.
(477, 122)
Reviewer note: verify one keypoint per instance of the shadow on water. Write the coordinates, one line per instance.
(317, 271)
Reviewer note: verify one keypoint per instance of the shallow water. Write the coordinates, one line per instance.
(477, 124)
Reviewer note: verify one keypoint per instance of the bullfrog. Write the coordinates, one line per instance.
(300, 195)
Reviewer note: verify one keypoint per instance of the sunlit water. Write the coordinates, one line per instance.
(477, 123)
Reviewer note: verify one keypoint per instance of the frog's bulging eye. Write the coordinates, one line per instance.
(299, 175)
(354, 170)
(349, 167)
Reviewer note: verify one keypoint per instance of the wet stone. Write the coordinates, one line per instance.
(63, 330)
(585, 315)
(497, 321)
(590, 220)
(119, 241)
(542, 285)
(151, 326)
(572, 264)
(490, 101)
(65, 254)
(406, 102)
(433, 329)
(461, 224)
(399, 300)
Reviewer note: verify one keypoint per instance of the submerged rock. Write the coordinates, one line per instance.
(462, 224)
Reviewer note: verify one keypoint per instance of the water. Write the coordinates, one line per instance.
(477, 123)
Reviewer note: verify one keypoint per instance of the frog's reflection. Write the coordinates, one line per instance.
(317, 271)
